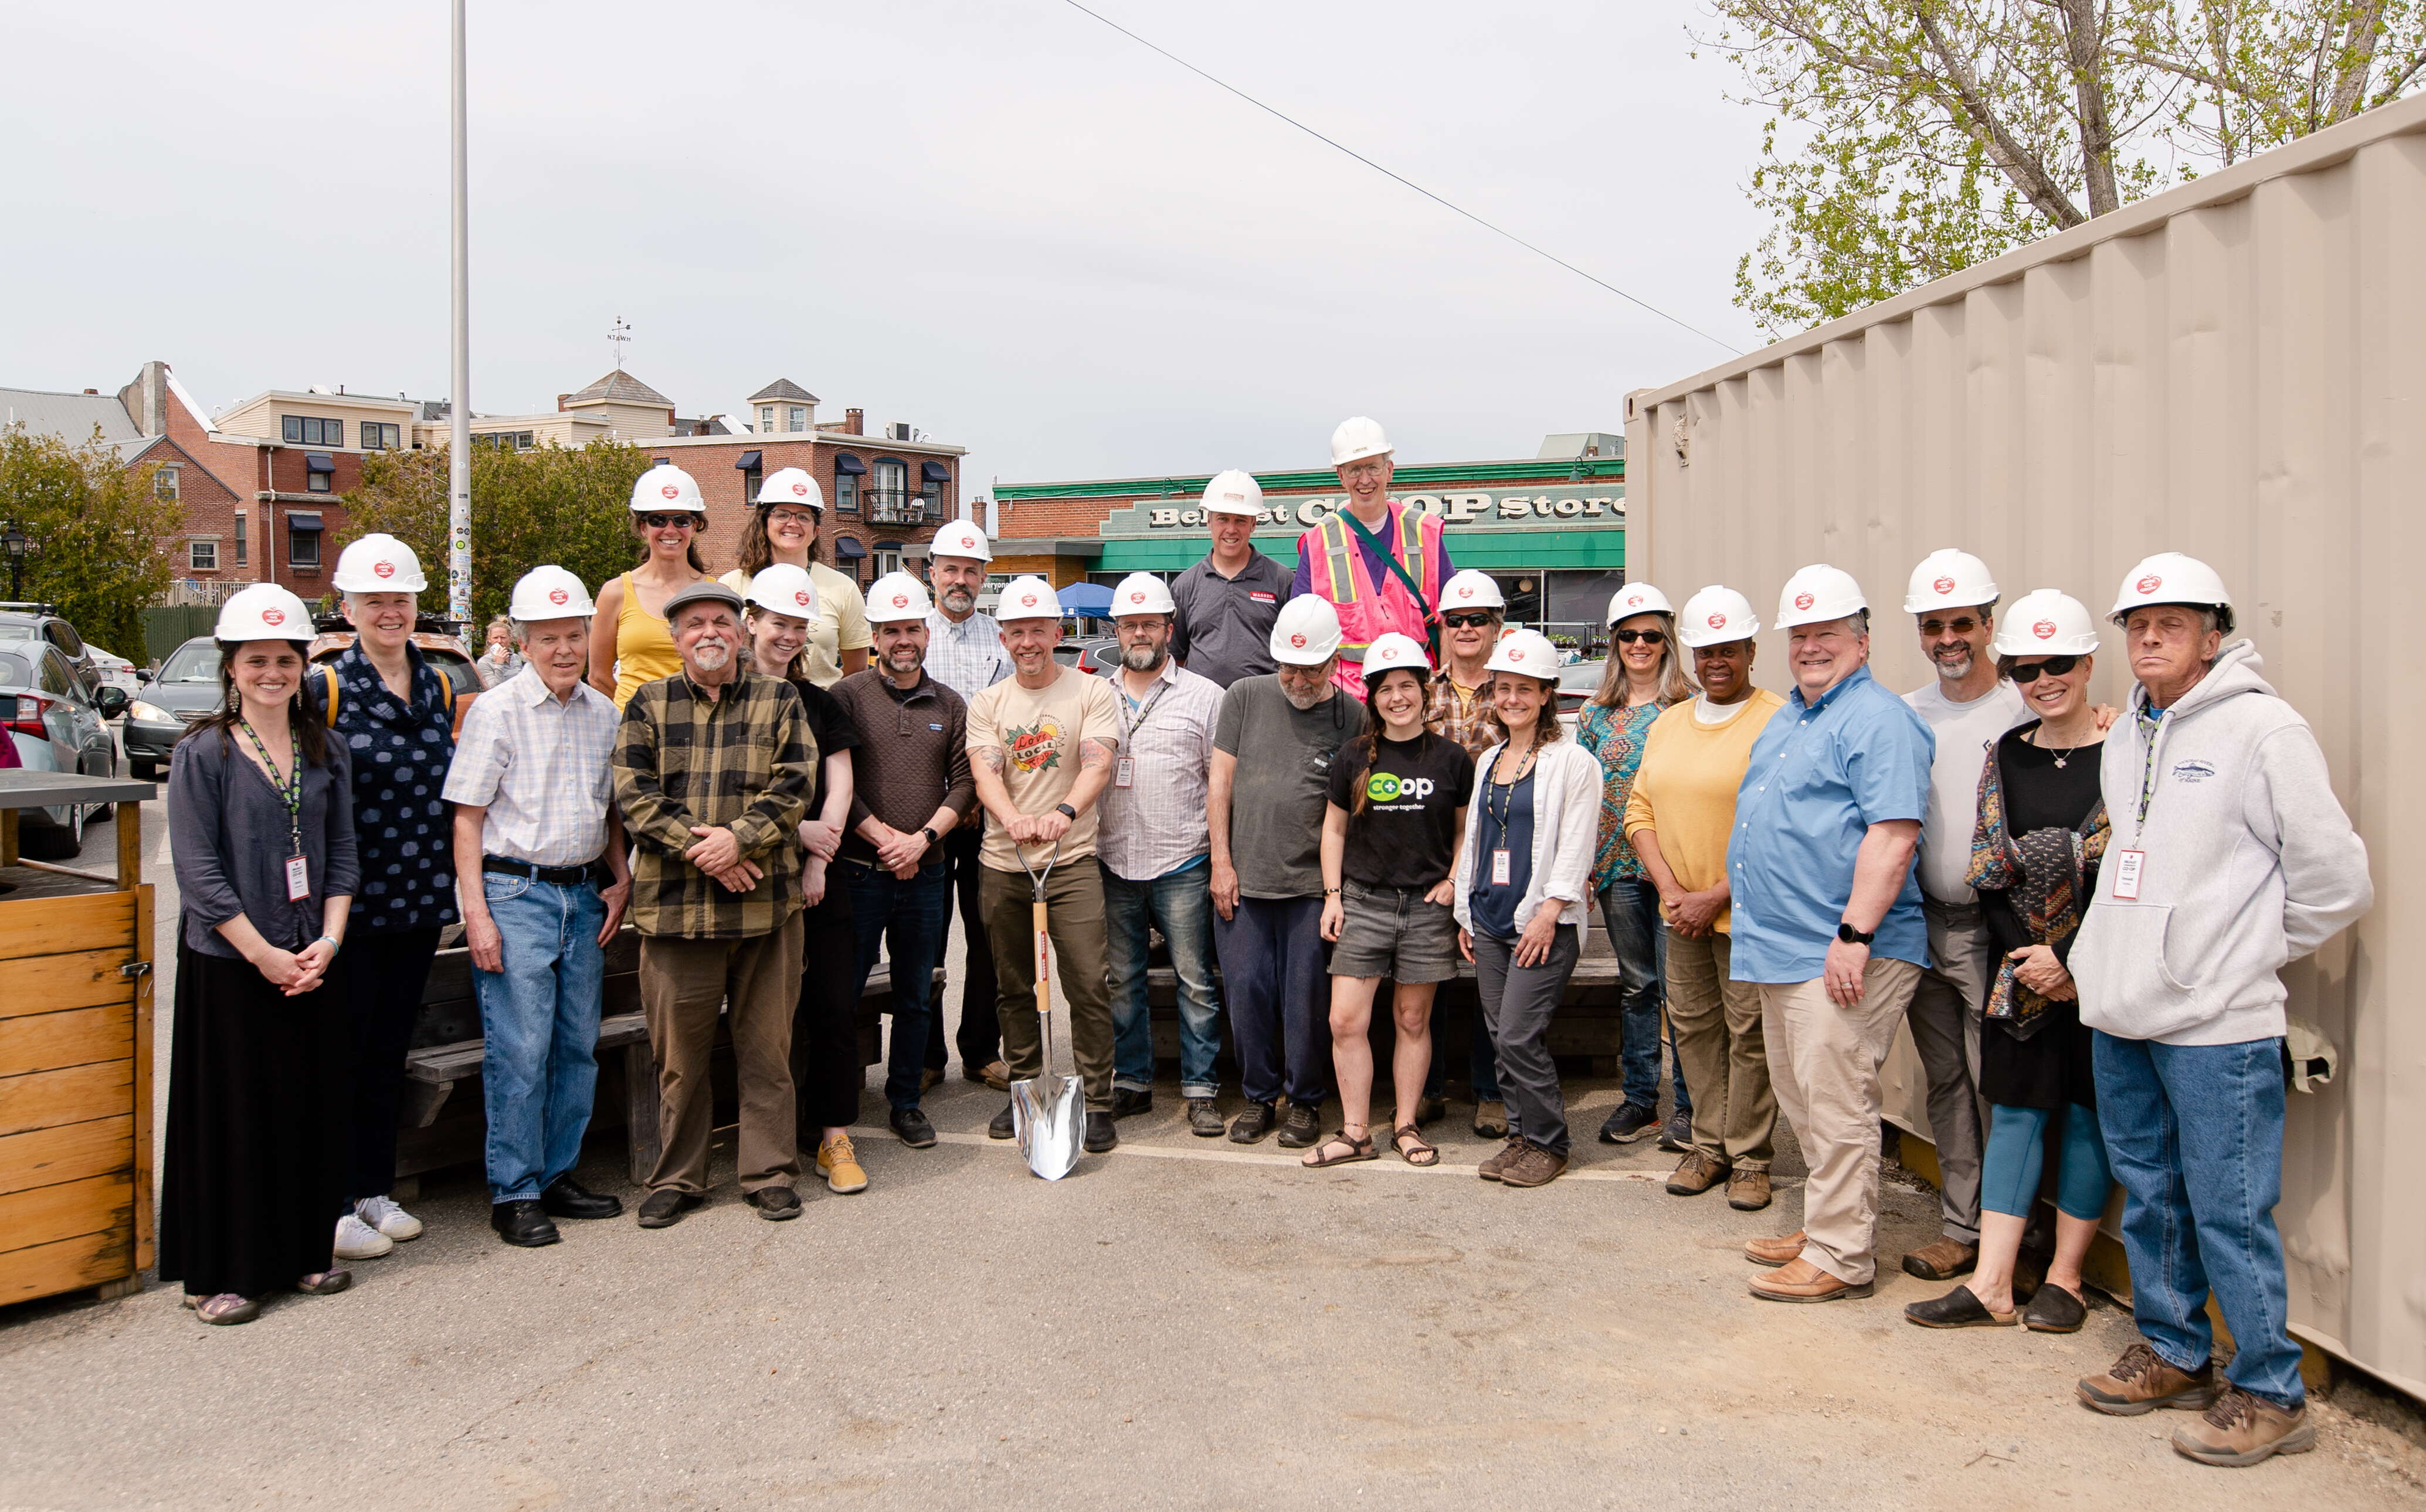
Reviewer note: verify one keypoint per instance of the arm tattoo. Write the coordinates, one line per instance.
(1093, 753)
(990, 758)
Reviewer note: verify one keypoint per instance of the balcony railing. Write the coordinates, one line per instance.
(885, 507)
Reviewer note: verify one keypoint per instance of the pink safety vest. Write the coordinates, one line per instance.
(1368, 610)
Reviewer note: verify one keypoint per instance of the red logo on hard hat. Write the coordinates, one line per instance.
(799, 491)
(1297, 641)
(1634, 601)
(1027, 600)
(384, 568)
(1466, 592)
(671, 491)
(901, 601)
(1137, 596)
(1515, 653)
(2044, 629)
(1944, 585)
(2149, 584)
(1718, 621)
(273, 617)
(801, 596)
(1803, 601)
(557, 596)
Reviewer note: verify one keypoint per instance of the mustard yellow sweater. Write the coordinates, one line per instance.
(1685, 793)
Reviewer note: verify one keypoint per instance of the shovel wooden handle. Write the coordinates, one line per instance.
(1043, 978)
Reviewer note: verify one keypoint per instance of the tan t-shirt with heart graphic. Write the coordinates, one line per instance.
(1037, 731)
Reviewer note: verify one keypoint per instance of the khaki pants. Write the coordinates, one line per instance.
(1824, 1061)
(1944, 1022)
(1073, 903)
(1716, 1022)
(683, 983)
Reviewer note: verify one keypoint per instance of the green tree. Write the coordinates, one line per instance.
(1908, 140)
(100, 537)
(569, 507)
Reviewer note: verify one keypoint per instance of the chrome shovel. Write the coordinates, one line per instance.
(1048, 1113)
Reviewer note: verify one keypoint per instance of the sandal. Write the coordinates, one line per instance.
(224, 1308)
(1320, 1156)
(1411, 1147)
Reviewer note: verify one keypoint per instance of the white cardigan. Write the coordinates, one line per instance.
(1566, 830)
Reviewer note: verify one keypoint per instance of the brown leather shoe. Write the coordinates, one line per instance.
(1748, 1191)
(2240, 1429)
(1799, 1281)
(994, 1074)
(1696, 1174)
(1774, 1251)
(1495, 1166)
(1530, 1165)
(1942, 1260)
(2142, 1382)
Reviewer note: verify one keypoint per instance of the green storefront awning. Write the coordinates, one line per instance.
(1488, 550)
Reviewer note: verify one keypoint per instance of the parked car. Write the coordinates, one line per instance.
(41, 621)
(185, 690)
(116, 672)
(1578, 682)
(1089, 656)
(56, 728)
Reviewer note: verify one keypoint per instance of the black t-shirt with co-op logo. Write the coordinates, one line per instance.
(1407, 834)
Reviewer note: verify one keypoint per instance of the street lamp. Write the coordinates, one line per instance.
(19, 546)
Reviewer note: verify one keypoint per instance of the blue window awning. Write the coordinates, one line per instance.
(302, 521)
(935, 472)
(748, 462)
(319, 462)
(846, 462)
(847, 549)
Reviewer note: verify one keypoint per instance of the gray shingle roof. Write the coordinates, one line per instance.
(786, 389)
(623, 388)
(70, 416)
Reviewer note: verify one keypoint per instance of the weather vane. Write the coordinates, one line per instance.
(620, 335)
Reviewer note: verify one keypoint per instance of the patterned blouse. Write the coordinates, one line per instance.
(1615, 737)
(400, 752)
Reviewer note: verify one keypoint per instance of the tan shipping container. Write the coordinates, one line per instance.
(2235, 369)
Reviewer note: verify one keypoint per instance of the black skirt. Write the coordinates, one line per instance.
(254, 1175)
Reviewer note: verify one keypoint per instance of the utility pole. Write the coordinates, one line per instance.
(459, 405)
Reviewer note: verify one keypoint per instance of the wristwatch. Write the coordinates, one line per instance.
(1065, 809)
(1854, 936)
(929, 830)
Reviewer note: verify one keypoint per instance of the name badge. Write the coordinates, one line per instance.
(1123, 771)
(1499, 868)
(298, 879)
(1259, 596)
(2125, 868)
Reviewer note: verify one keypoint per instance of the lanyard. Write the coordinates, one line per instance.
(2151, 725)
(290, 793)
(1130, 729)
(1506, 792)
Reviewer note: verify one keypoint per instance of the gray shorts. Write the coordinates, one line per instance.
(1392, 932)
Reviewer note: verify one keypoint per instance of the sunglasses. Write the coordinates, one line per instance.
(1652, 637)
(1466, 622)
(667, 522)
(1934, 628)
(2026, 673)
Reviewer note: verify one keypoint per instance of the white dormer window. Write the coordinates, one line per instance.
(766, 419)
(800, 418)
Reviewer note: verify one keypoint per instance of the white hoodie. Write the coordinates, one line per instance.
(2250, 863)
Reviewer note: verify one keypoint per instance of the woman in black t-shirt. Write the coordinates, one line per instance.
(1390, 834)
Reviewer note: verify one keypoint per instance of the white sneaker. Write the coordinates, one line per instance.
(383, 1214)
(357, 1240)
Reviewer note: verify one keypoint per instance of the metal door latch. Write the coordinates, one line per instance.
(134, 969)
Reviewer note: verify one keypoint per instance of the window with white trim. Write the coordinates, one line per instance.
(203, 554)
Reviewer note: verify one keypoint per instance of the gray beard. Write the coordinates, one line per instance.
(710, 657)
(1142, 659)
(1302, 701)
(1953, 672)
(960, 601)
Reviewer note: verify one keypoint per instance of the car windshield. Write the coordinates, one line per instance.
(14, 672)
(196, 661)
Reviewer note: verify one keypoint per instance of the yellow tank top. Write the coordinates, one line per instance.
(644, 646)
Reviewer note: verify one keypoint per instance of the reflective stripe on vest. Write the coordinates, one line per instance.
(1342, 568)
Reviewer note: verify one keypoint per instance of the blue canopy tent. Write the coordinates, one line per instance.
(1092, 600)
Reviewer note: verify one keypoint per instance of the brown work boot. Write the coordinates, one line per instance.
(1799, 1281)
(1696, 1174)
(1773, 1251)
(1942, 1260)
(2142, 1382)
(1748, 1191)
(2240, 1429)
(1495, 1166)
(1529, 1165)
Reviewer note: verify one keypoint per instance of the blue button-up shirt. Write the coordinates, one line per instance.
(1820, 775)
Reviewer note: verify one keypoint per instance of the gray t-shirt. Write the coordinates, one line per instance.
(1282, 780)
(1965, 732)
(1223, 627)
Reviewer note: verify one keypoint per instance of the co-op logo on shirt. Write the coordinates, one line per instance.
(1382, 787)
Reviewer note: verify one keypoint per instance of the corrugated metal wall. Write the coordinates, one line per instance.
(2235, 368)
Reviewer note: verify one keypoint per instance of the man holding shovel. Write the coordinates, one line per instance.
(1042, 744)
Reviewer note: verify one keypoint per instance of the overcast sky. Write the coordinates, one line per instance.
(1000, 221)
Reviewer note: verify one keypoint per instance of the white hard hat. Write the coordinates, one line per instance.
(1717, 613)
(792, 485)
(549, 593)
(1528, 652)
(783, 588)
(1142, 594)
(1470, 589)
(1307, 632)
(1818, 593)
(379, 563)
(1234, 492)
(2170, 577)
(666, 486)
(1392, 653)
(1356, 438)
(263, 612)
(1637, 597)
(1948, 579)
(961, 538)
(894, 597)
(1027, 598)
(2044, 623)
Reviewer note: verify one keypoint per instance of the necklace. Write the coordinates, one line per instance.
(2038, 738)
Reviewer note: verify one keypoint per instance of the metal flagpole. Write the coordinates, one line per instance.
(459, 417)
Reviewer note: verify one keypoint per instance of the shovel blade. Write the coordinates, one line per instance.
(1049, 1116)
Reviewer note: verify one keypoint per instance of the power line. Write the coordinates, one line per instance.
(1401, 178)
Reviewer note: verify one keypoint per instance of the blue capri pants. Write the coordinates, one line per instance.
(2016, 1157)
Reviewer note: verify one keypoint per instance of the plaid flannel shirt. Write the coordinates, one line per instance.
(743, 760)
(1464, 716)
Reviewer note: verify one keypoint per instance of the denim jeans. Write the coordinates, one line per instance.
(907, 920)
(539, 1020)
(2194, 1134)
(1629, 909)
(1180, 904)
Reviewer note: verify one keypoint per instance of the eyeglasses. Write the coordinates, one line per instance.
(1934, 628)
(667, 522)
(2026, 673)
(797, 517)
(1653, 637)
(1466, 622)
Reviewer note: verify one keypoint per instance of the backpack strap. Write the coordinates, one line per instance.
(329, 675)
(445, 692)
